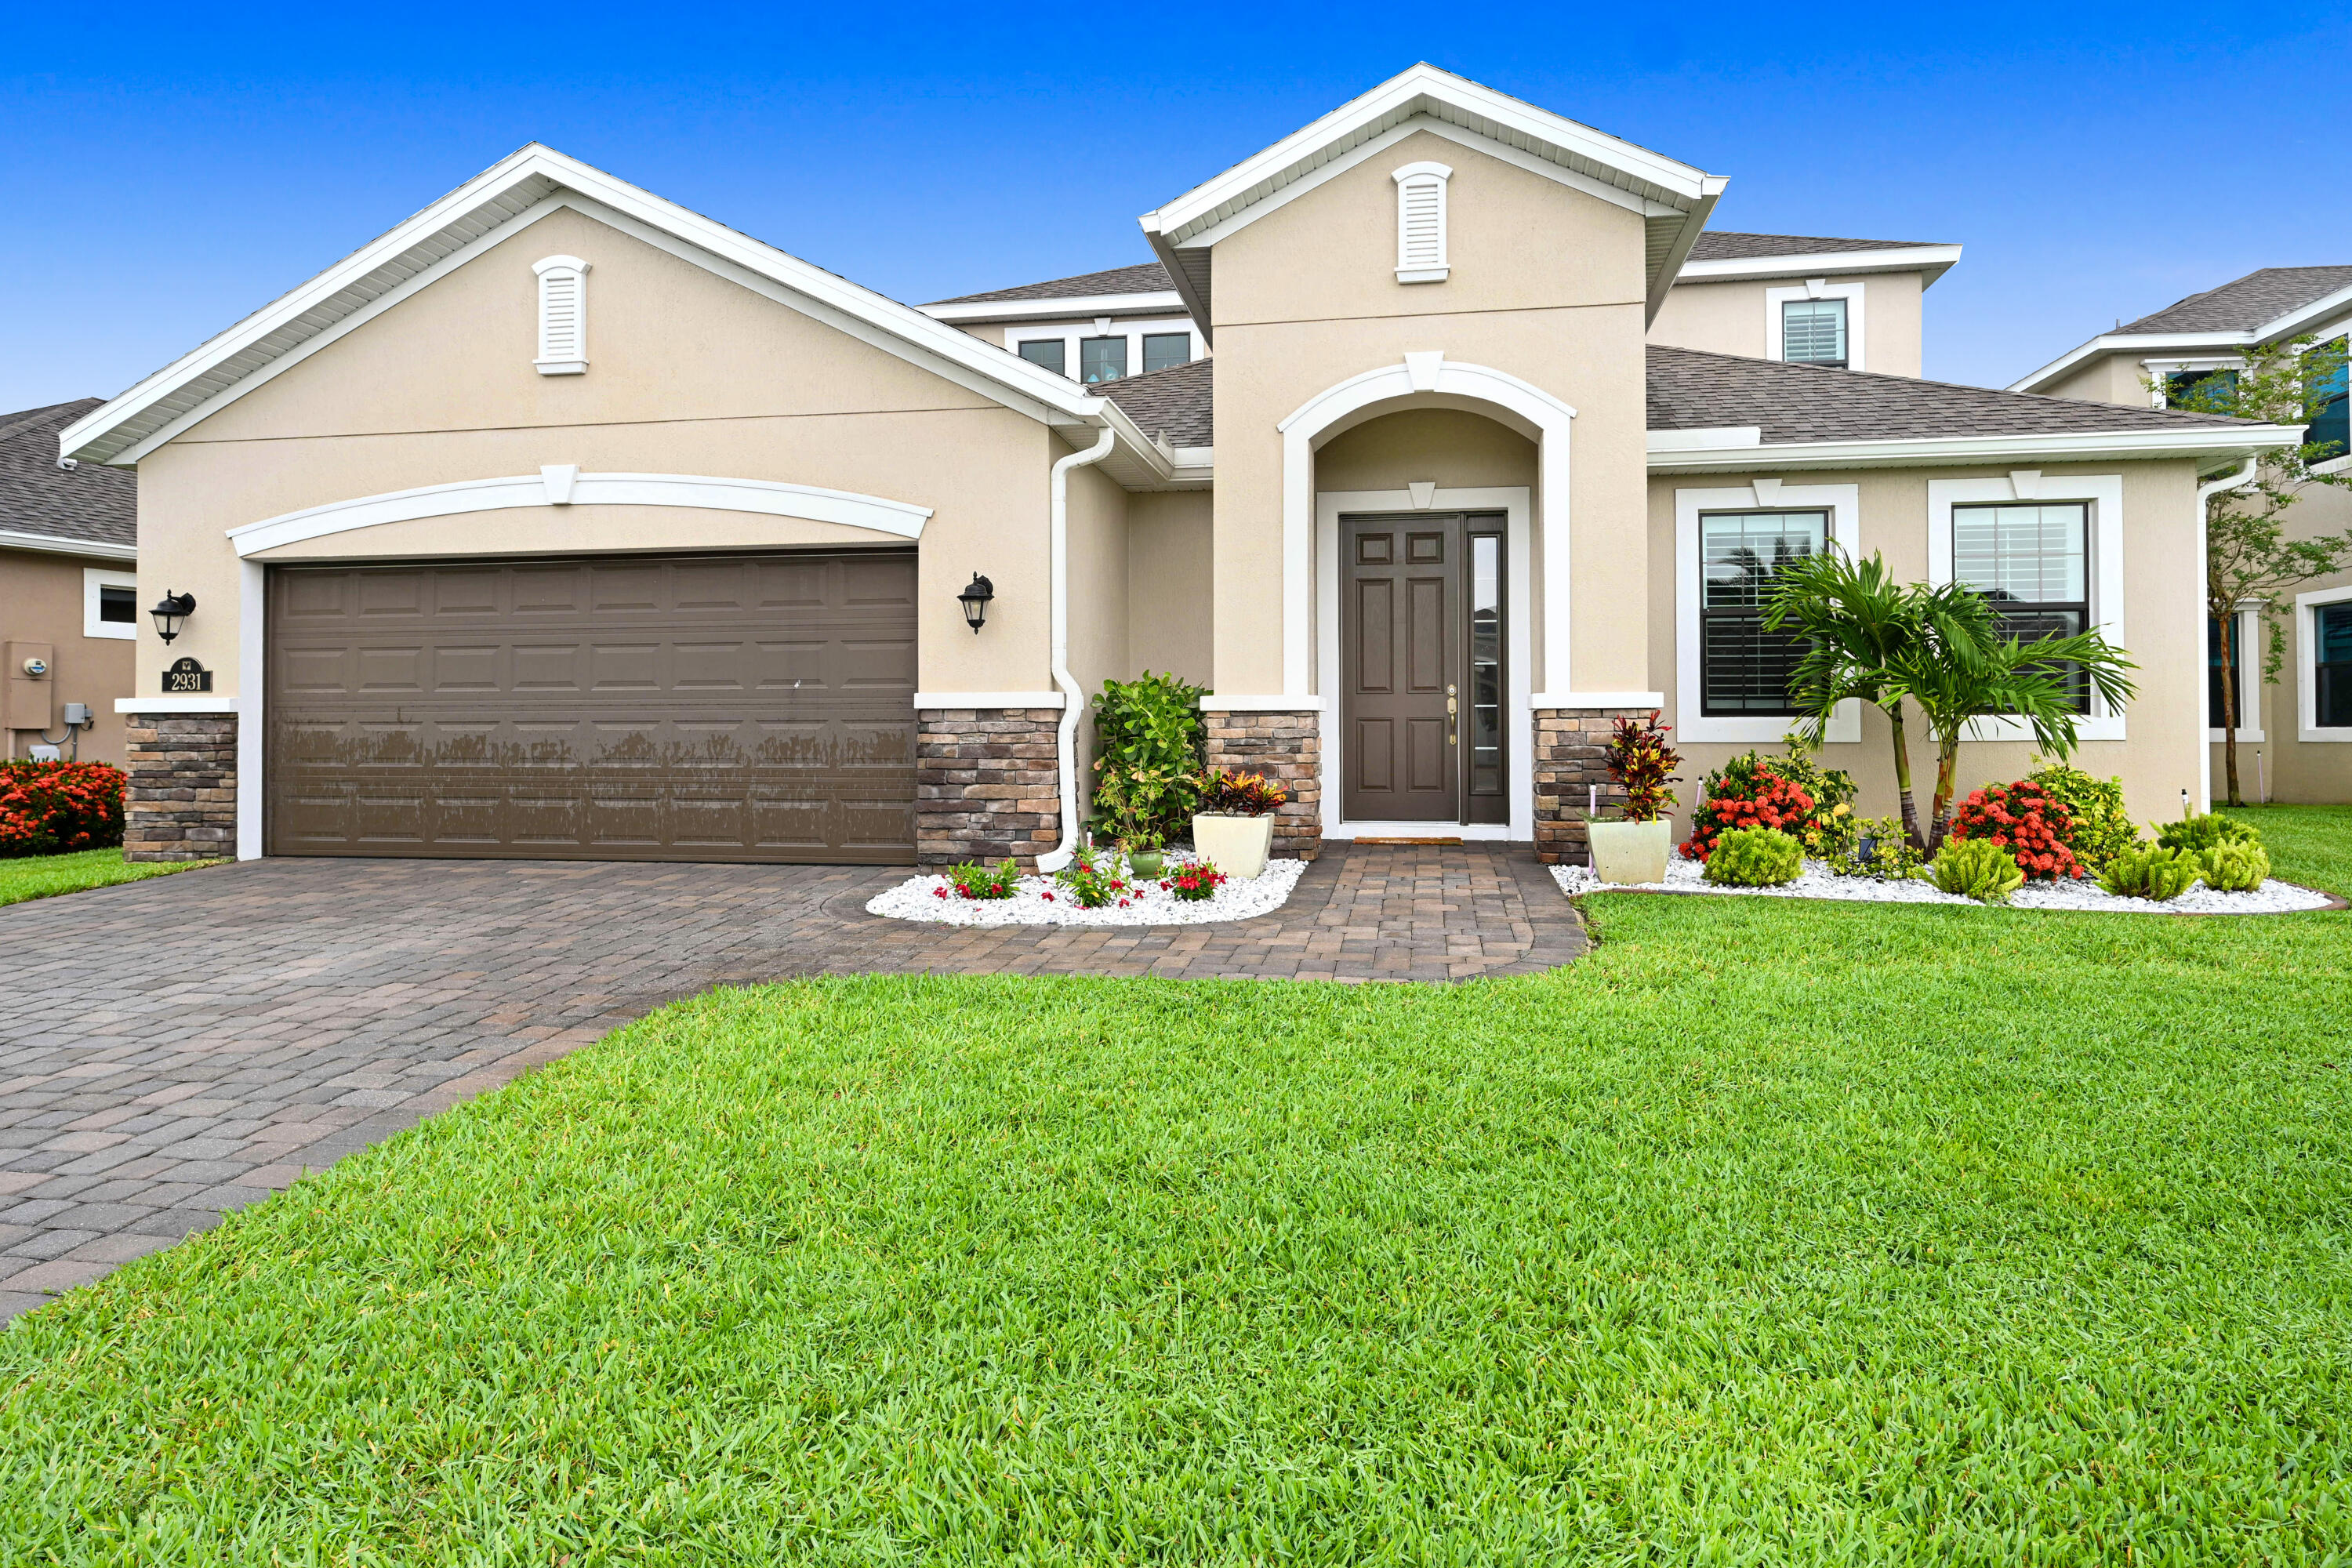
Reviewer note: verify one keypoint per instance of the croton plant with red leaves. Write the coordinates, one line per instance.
(2026, 820)
(51, 808)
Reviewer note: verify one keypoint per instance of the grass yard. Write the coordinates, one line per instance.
(1771, 1233)
(45, 875)
(2308, 844)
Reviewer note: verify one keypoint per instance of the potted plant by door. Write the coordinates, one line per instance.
(1233, 830)
(1634, 849)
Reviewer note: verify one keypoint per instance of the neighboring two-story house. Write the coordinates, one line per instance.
(2295, 735)
(68, 578)
(562, 521)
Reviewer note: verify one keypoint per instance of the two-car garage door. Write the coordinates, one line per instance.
(671, 708)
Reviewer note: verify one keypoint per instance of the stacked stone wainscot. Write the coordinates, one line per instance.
(986, 786)
(1286, 746)
(1571, 746)
(181, 802)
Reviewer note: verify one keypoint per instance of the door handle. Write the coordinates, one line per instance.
(1451, 706)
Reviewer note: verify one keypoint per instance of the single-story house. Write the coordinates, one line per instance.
(562, 521)
(69, 577)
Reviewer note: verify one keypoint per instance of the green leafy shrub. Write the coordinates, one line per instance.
(1195, 881)
(1755, 857)
(2098, 827)
(1149, 752)
(2235, 867)
(977, 879)
(1875, 846)
(2158, 873)
(1091, 880)
(2195, 835)
(1976, 869)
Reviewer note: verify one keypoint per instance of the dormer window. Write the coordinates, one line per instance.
(1421, 223)
(1812, 332)
(562, 315)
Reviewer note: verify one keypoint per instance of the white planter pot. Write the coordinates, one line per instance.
(1631, 852)
(1237, 846)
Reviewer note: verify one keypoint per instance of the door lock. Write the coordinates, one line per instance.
(1451, 706)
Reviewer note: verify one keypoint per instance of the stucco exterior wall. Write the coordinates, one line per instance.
(1452, 446)
(2162, 631)
(1732, 318)
(41, 602)
(687, 374)
(2292, 768)
(2105, 378)
(1547, 285)
(1170, 582)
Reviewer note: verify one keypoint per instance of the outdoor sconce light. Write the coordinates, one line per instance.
(170, 610)
(974, 600)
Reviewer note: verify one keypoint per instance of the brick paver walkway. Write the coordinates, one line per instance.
(172, 1049)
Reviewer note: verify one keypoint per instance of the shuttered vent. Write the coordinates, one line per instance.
(562, 315)
(1421, 223)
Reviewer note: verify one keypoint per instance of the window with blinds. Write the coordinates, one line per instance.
(1421, 223)
(1812, 332)
(562, 315)
(1744, 669)
(2331, 411)
(2331, 631)
(2033, 564)
(1165, 351)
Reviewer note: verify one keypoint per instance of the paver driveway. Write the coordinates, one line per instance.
(175, 1048)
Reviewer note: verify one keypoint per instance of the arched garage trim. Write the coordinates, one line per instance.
(565, 485)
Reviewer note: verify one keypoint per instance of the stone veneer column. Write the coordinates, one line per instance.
(1286, 746)
(180, 803)
(986, 784)
(1570, 743)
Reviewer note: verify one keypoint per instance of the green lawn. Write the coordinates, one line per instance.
(42, 876)
(2308, 844)
(1771, 1233)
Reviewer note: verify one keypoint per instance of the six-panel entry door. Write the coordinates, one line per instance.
(1422, 640)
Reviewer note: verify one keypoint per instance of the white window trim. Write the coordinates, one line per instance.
(2306, 665)
(1427, 176)
(1843, 503)
(1067, 335)
(2250, 678)
(1818, 289)
(2106, 569)
(93, 578)
(549, 268)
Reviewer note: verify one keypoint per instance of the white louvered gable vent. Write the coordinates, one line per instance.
(1420, 222)
(562, 315)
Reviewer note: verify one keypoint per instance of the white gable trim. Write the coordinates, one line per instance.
(564, 485)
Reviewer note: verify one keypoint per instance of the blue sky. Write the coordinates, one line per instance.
(167, 172)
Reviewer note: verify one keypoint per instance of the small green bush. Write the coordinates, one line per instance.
(1976, 869)
(1875, 846)
(2100, 829)
(2195, 835)
(2235, 867)
(2156, 873)
(1149, 752)
(1755, 857)
(978, 880)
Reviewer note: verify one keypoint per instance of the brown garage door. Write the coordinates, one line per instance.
(672, 707)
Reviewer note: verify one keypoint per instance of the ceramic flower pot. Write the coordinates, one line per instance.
(1144, 863)
(1237, 846)
(1629, 853)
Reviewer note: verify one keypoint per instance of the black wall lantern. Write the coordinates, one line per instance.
(974, 600)
(170, 610)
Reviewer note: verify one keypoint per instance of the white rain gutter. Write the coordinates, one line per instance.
(1074, 702)
(2206, 492)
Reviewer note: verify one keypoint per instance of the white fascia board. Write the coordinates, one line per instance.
(1662, 283)
(2130, 343)
(1078, 307)
(53, 545)
(1706, 439)
(1031, 382)
(2093, 446)
(1195, 304)
(1934, 260)
(2302, 317)
(1399, 96)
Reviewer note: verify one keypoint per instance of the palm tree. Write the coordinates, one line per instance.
(1945, 649)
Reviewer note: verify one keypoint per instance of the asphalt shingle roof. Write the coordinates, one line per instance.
(1145, 278)
(1714, 247)
(88, 502)
(2245, 303)
(1175, 404)
(1691, 389)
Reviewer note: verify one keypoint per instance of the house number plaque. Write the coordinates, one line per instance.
(186, 675)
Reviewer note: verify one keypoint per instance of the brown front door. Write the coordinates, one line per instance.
(617, 708)
(1421, 634)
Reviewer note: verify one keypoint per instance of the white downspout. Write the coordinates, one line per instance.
(2206, 492)
(1074, 702)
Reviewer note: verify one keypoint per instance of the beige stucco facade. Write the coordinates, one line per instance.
(1735, 317)
(43, 605)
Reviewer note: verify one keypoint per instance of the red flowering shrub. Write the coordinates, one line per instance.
(49, 808)
(1762, 799)
(2026, 820)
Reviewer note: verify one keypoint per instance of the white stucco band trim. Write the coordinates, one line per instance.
(1427, 377)
(1843, 505)
(562, 484)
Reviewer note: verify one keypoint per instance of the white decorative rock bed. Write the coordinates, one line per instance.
(2273, 898)
(1038, 901)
